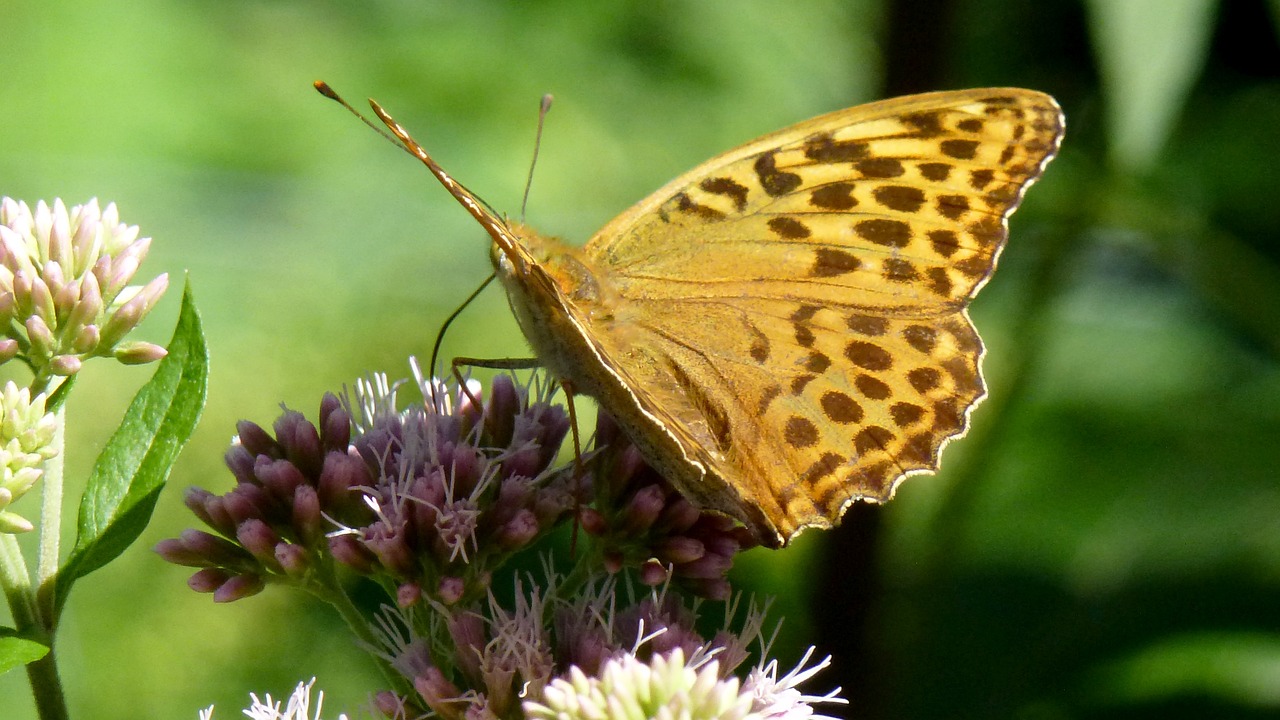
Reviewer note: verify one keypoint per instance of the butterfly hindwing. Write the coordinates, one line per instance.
(800, 302)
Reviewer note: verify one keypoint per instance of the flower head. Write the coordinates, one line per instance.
(298, 708)
(65, 295)
(664, 687)
(777, 698)
(26, 442)
(424, 499)
(429, 498)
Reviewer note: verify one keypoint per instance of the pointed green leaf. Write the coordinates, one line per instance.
(16, 651)
(132, 468)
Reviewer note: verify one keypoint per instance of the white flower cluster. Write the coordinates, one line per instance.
(298, 708)
(64, 286)
(665, 688)
(26, 437)
(669, 688)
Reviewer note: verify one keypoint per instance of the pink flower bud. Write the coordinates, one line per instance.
(653, 573)
(89, 306)
(348, 550)
(408, 594)
(260, 540)
(175, 551)
(138, 353)
(86, 339)
(42, 302)
(335, 423)
(680, 549)
(256, 440)
(42, 340)
(306, 514)
(293, 558)
(208, 580)
(65, 365)
(450, 590)
(239, 588)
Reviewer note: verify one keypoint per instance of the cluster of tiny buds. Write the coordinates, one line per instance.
(26, 442)
(424, 501)
(64, 287)
(640, 520)
(430, 500)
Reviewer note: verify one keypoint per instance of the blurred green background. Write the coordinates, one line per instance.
(1105, 543)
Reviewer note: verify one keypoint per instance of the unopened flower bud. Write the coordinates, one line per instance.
(239, 588)
(408, 594)
(208, 580)
(293, 558)
(349, 551)
(335, 423)
(42, 340)
(653, 573)
(519, 530)
(450, 590)
(256, 440)
(65, 365)
(306, 519)
(138, 353)
(260, 540)
(175, 551)
(86, 339)
(14, 523)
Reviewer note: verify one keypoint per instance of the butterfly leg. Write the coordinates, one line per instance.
(457, 363)
(577, 462)
(569, 392)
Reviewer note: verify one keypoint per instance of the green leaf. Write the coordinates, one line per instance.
(16, 651)
(132, 468)
(1150, 52)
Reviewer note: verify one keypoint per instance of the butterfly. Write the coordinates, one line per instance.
(783, 330)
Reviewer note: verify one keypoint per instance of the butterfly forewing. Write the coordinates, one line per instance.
(790, 316)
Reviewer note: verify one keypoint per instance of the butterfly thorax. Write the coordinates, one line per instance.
(551, 287)
(580, 327)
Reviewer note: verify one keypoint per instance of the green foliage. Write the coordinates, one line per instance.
(131, 470)
(1150, 53)
(16, 651)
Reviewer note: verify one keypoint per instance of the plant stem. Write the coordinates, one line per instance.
(51, 524)
(17, 586)
(46, 686)
(329, 591)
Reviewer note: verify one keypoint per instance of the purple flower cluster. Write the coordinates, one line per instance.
(640, 520)
(272, 523)
(428, 503)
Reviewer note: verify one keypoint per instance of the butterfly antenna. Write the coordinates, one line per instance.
(323, 88)
(479, 209)
(435, 349)
(537, 144)
(401, 139)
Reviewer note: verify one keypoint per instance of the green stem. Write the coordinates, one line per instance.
(17, 586)
(46, 686)
(51, 523)
(582, 572)
(329, 591)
